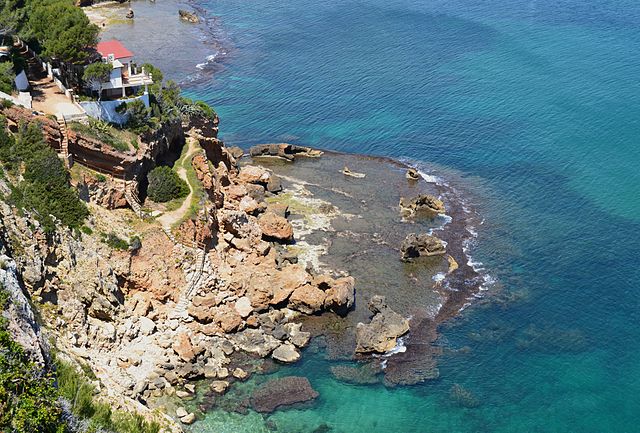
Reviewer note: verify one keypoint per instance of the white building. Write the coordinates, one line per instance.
(126, 78)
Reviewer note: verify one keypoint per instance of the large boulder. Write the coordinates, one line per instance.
(307, 299)
(422, 203)
(421, 245)
(282, 392)
(381, 334)
(286, 353)
(253, 174)
(275, 227)
(340, 296)
(256, 341)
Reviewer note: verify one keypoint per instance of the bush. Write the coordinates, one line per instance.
(165, 185)
(79, 392)
(45, 188)
(7, 75)
(28, 397)
(114, 241)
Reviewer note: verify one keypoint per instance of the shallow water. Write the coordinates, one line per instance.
(530, 106)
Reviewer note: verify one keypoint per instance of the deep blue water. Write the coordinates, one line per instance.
(536, 103)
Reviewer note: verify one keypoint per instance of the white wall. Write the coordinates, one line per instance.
(106, 110)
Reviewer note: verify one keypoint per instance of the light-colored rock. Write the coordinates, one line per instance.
(286, 353)
(240, 374)
(253, 174)
(381, 334)
(243, 306)
(147, 326)
(219, 386)
(298, 337)
(181, 412)
(341, 295)
(188, 419)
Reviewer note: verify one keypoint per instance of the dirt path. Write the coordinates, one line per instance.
(168, 219)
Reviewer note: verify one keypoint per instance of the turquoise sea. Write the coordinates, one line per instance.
(535, 106)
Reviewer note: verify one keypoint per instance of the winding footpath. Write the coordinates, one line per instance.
(168, 219)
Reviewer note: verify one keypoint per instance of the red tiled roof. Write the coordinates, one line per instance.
(113, 47)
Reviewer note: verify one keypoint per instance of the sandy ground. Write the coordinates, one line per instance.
(105, 14)
(48, 98)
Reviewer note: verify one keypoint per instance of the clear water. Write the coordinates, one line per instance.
(537, 104)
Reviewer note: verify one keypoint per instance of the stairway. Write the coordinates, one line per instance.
(180, 311)
(64, 144)
(131, 196)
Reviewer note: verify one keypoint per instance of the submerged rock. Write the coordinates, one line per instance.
(421, 245)
(282, 392)
(382, 333)
(422, 203)
(188, 16)
(283, 150)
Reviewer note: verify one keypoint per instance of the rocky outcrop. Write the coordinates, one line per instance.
(275, 227)
(421, 245)
(281, 393)
(381, 334)
(425, 204)
(283, 150)
(19, 317)
(189, 17)
(17, 115)
(103, 191)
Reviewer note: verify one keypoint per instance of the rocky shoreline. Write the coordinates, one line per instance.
(133, 318)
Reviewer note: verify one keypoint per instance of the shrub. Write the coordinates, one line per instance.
(28, 397)
(7, 75)
(45, 188)
(86, 230)
(114, 241)
(165, 185)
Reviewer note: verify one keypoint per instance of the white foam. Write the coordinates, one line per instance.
(431, 178)
(440, 276)
(399, 348)
(210, 58)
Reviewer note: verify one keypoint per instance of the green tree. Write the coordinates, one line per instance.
(96, 74)
(63, 30)
(45, 188)
(12, 16)
(165, 185)
(7, 75)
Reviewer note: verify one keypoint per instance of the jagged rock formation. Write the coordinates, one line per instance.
(283, 150)
(421, 245)
(422, 204)
(382, 333)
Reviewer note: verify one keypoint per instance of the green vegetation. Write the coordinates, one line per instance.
(27, 393)
(118, 139)
(44, 188)
(33, 398)
(7, 75)
(76, 389)
(165, 185)
(61, 29)
(96, 74)
(112, 240)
